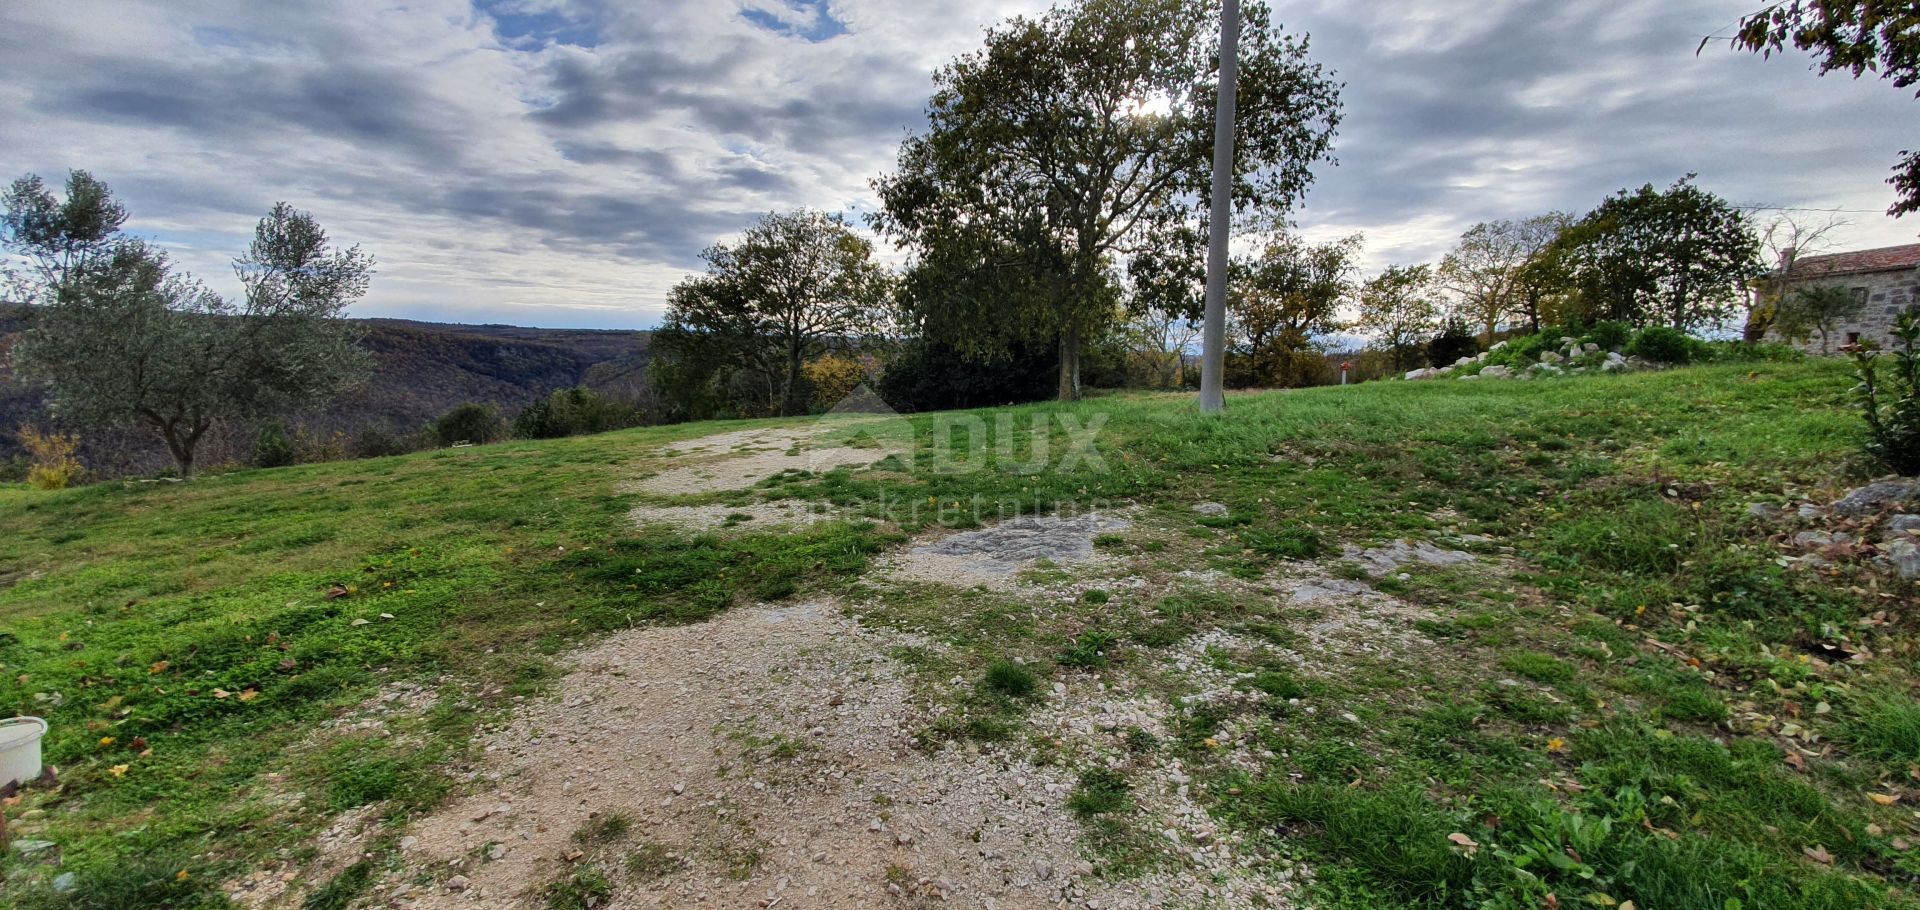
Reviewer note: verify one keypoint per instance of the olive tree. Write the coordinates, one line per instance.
(1078, 139)
(118, 336)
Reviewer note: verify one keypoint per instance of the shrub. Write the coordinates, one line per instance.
(1891, 404)
(1609, 334)
(52, 464)
(573, 412)
(468, 423)
(378, 442)
(271, 447)
(1662, 345)
(929, 376)
(833, 377)
(1455, 341)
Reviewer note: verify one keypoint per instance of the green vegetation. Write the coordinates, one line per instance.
(1643, 704)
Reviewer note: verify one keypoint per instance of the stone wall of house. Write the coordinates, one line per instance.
(1888, 295)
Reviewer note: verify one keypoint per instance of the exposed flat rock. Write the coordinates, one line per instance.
(1387, 559)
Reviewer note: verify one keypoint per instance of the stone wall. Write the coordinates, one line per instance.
(1888, 295)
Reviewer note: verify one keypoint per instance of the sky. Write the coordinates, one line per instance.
(563, 163)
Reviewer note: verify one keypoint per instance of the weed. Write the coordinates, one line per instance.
(651, 862)
(1100, 791)
(1011, 679)
(1087, 650)
(584, 887)
(1537, 666)
(603, 828)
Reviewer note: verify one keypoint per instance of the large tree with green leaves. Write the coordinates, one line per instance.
(1398, 307)
(1074, 141)
(119, 337)
(1680, 256)
(1855, 36)
(1495, 271)
(1284, 297)
(795, 284)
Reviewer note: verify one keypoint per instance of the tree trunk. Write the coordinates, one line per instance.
(1070, 364)
(789, 404)
(180, 445)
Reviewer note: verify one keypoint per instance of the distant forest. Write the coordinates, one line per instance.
(420, 371)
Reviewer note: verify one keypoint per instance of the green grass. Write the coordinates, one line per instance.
(1685, 717)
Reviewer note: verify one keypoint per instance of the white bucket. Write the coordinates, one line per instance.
(20, 749)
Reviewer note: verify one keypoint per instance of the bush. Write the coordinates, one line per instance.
(1609, 334)
(1455, 341)
(832, 378)
(1891, 404)
(1662, 345)
(929, 376)
(1011, 679)
(379, 442)
(271, 447)
(573, 412)
(468, 423)
(52, 464)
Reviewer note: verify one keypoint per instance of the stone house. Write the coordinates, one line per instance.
(1886, 281)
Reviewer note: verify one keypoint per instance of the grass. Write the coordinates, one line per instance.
(1648, 706)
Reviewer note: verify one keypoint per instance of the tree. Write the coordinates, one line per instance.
(1497, 270)
(1784, 239)
(795, 284)
(1397, 306)
(1681, 256)
(1855, 36)
(1281, 299)
(1818, 309)
(1077, 139)
(118, 337)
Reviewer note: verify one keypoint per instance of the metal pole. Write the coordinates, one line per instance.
(1213, 358)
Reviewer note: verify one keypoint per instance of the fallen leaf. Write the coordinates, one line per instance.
(221, 693)
(1799, 764)
(1884, 799)
(1818, 855)
(1466, 844)
(159, 666)
(118, 770)
(1556, 744)
(250, 695)
(106, 741)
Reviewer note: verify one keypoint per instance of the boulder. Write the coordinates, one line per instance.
(1498, 346)
(1210, 509)
(1544, 368)
(1901, 524)
(1590, 348)
(1550, 358)
(1903, 556)
(1497, 371)
(1414, 375)
(1565, 341)
(1880, 494)
(1614, 366)
(1463, 361)
(1766, 511)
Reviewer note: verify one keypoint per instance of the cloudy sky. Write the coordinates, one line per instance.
(563, 162)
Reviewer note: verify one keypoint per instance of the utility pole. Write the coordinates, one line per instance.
(1213, 355)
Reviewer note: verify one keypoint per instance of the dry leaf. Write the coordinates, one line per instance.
(1818, 855)
(1466, 844)
(1884, 799)
(221, 693)
(250, 695)
(159, 666)
(1556, 744)
(118, 770)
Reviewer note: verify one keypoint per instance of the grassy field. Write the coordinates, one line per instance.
(1642, 704)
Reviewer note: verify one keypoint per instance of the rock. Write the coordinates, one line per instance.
(409, 842)
(1903, 523)
(1544, 368)
(1497, 371)
(1616, 357)
(33, 847)
(1497, 346)
(1808, 511)
(63, 883)
(1565, 341)
(1210, 509)
(497, 852)
(1614, 366)
(1904, 556)
(1876, 496)
(1416, 375)
(1766, 511)
(1813, 539)
(1463, 361)
(1590, 348)
(1550, 358)
(1386, 559)
(458, 884)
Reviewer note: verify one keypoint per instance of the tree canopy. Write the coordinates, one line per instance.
(1282, 298)
(1854, 36)
(1077, 139)
(796, 283)
(1680, 256)
(1398, 306)
(120, 337)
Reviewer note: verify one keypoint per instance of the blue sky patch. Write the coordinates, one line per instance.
(522, 22)
(807, 19)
